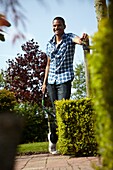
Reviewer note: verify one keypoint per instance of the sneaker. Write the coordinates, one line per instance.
(54, 152)
(52, 146)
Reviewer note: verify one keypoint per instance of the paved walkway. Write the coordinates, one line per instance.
(54, 162)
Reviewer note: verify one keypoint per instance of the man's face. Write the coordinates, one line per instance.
(58, 27)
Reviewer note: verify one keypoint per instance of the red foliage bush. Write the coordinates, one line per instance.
(25, 74)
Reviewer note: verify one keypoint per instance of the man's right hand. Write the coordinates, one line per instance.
(43, 88)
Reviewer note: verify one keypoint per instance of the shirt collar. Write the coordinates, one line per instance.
(53, 39)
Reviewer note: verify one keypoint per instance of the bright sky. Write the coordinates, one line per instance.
(79, 15)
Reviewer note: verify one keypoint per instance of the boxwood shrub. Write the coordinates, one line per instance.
(76, 120)
(7, 100)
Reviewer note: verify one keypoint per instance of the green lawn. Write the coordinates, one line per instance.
(32, 148)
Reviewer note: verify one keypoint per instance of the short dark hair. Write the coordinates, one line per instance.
(60, 18)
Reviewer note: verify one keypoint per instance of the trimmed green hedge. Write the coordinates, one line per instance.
(101, 74)
(75, 120)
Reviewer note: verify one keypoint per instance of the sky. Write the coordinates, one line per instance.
(79, 15)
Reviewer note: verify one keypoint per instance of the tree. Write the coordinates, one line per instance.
(100, 9)
(25, 75)
(101, 12)
(79, 82)
(2, 82)
(87, 74)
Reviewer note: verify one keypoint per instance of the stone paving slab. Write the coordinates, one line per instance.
(54, 162)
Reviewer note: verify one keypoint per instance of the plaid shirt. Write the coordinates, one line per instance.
(61, 56)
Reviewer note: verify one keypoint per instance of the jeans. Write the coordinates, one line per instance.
(59, 91)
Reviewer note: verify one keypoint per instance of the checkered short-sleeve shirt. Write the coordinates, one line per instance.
(61, 59)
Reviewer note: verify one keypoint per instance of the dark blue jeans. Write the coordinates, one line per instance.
(59, 91)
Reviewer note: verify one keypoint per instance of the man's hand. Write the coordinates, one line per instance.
(43, 88)
(85, 37)
(84, 40)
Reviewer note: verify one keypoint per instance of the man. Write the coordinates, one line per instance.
(59, 70)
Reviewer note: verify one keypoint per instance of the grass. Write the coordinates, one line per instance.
(32, 148)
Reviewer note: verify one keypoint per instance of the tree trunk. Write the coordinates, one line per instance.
(101, 12)
(100, 9)
(87, 75)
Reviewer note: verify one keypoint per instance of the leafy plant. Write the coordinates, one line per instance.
(79, 82)
(7, 100)
(3, 22)
(35, 122)
(75, 120)
(2, 81)
(101, 67)
(25, 75)
(15, 10)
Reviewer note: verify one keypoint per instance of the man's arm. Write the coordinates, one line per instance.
(77, 40)
(46, 75)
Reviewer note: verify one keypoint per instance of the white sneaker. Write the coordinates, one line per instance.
(52, 146)
(54, 152)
